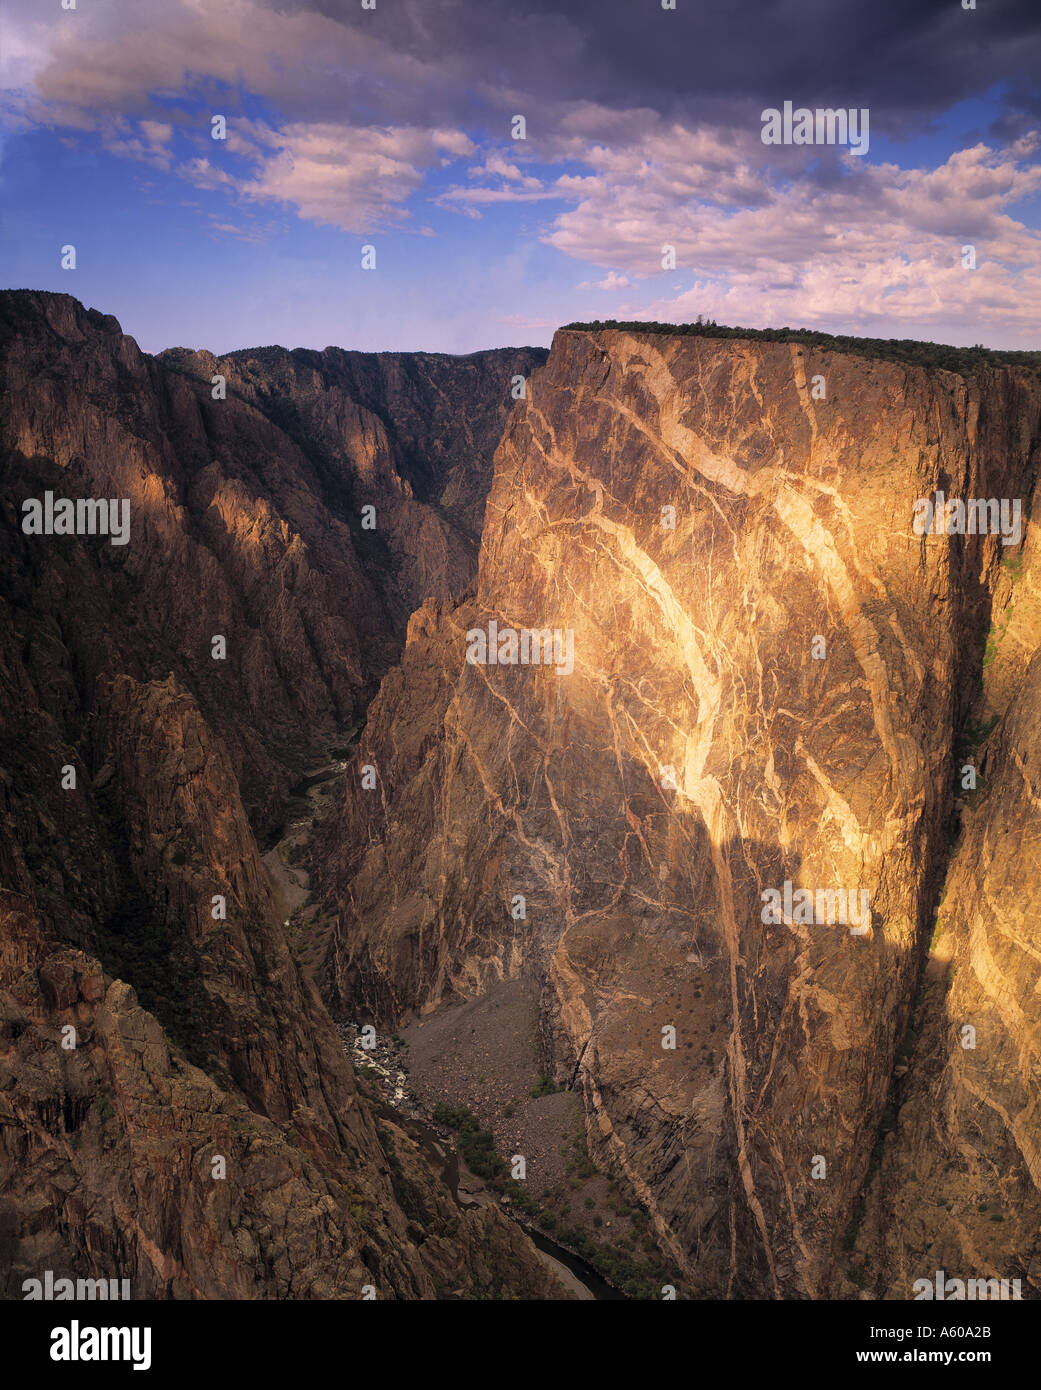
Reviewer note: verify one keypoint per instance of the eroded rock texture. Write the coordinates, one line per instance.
(152, 1019)
(767, 692)
(775, 680)
(957, 1187)
(246, 520)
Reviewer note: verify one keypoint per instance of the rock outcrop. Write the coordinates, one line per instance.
(709, 804)
(176, 1107)
(959, 1165)
(240, 528)
(770, 668)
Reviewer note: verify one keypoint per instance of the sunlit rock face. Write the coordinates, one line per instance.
(766, 680)
(246, 518)
(729, 674)
(176, 1108)
(958, 1185)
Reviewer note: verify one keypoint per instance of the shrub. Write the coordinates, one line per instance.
(544, 1086)
(965, 360)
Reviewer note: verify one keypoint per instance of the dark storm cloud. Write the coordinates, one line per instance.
(470, 63)
(907, 59)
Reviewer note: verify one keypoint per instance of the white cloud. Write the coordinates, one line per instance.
(873, 246)
(612, 281)
(356, 179)
(148, 142)
(105, 77)
(760, 234)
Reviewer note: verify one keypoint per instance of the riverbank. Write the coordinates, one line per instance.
(286, 859)
(379, 1069)
(479, 1059)
(483, 1056)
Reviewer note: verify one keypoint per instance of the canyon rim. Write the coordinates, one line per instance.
(530, 895)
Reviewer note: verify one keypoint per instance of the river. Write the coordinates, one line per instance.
(441, 1153)
(293, 884)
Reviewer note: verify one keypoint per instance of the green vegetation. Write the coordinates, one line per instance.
(874, 1163)
(975, 733)
(476, 1145)
(408, 1197)
(996, 632)
(544, 1086)
(639, 1279)
(163, 967)
(452, 1115)
(1013, 566)
(635, 1277)
(965, 361)
(343, 751)
(969, 740)
(579, 1165)
(135, 943)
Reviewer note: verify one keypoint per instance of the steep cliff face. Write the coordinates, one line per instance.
(429, 421)
(765, 690)
(260, 1172)
(239, 528)
(769, 667)
(410, 434)
(957, 1187)
(175, 1105)
(119, 1159)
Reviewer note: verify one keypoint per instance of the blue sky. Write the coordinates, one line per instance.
(160, 254)
(393, 129)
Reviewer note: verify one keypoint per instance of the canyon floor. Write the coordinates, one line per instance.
(483, 1057)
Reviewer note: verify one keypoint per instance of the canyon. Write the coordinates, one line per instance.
(768, 689)
(547, 885)
(175, 1104)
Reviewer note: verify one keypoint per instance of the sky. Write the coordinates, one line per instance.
(392, 127)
